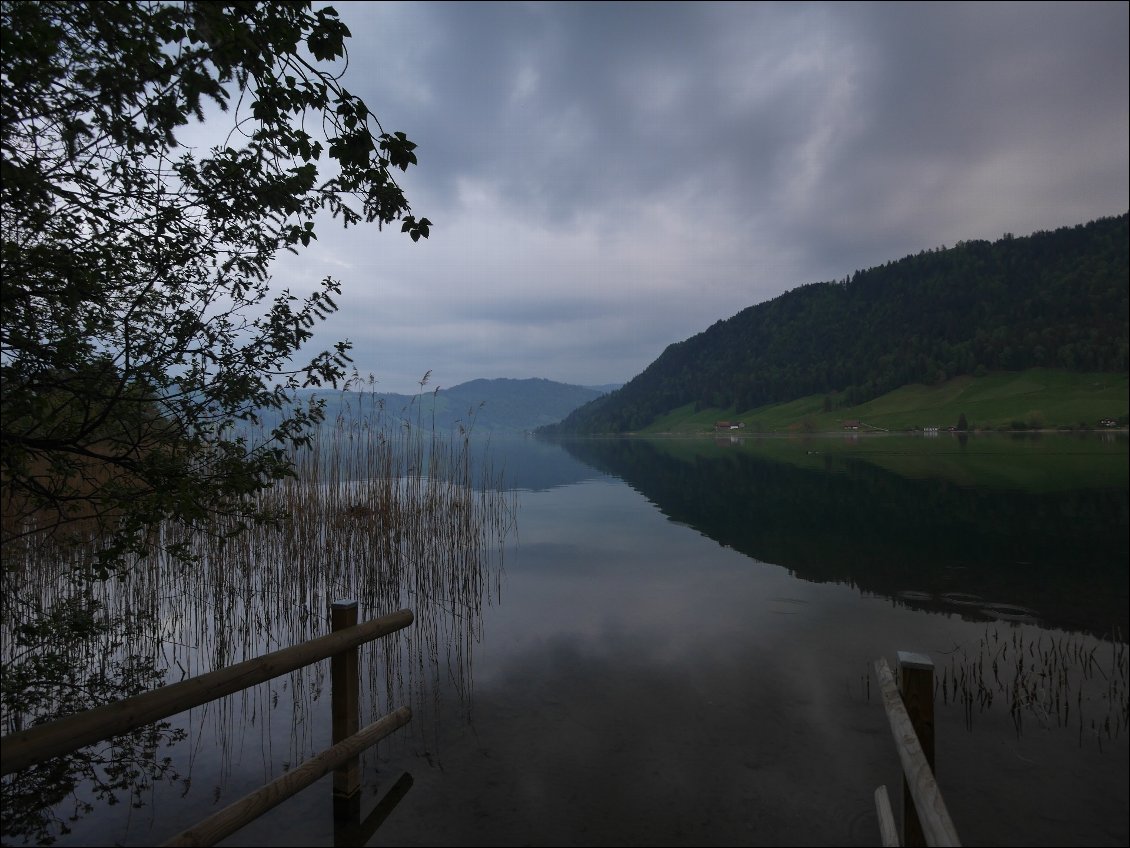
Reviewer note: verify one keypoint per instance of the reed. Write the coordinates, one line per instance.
(382, 509)
(1065, 680)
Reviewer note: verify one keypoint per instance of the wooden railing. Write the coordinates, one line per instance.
(910, 709)
(25, 748)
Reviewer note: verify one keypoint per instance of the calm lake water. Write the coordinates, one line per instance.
(676, 646)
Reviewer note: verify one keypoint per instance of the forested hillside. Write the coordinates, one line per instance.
(1053, 299)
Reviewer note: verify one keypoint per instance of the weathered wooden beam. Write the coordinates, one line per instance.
(888, 831)
(24, 748)
(248, 808)
(932, 813)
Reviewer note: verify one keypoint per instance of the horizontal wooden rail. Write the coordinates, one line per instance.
(230, 819)
(932, 813)
(24, 748)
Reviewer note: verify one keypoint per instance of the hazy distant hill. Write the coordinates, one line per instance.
(1053, 299)
(481, 406)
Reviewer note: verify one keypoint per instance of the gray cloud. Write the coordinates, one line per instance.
(606, 179)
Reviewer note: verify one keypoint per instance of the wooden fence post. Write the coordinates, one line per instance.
(345, 709)
(916, 685)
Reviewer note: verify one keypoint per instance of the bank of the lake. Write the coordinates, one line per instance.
(1036, 399)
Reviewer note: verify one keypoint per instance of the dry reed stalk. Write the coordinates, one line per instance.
(386, 514)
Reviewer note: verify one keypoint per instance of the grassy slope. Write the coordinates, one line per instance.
(1038, 397)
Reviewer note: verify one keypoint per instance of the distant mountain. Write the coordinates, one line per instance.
(479, 406)
(1053, 299)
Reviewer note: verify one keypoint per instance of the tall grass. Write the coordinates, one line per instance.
(382, 509)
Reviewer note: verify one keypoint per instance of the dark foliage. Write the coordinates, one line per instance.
(74, 657)
(139, 326)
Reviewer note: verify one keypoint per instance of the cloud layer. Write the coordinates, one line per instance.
(606, 179)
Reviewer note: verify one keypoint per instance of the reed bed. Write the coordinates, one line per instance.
(382, 510)
(1065, 680)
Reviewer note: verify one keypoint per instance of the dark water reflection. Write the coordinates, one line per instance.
(1059, 556)
(642, 684)
(680, 655)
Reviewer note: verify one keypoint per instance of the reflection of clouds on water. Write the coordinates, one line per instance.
(662, 697)
(645, 677)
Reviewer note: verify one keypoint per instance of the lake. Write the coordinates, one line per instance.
(672, 643)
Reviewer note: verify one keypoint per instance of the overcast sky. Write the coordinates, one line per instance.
(607, 179)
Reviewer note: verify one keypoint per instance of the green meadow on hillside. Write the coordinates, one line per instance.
(1034, 399)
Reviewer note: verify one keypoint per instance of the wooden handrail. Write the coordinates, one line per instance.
(248, 808)
(888, 833)
(932, 813)
(27, 747)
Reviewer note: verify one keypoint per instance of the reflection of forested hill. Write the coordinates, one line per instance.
(1053, 300)
(1062, 554)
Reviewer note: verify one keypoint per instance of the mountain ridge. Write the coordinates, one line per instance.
(490, 405)
(1055, 299)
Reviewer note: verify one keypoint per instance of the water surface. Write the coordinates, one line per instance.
(678, 651)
